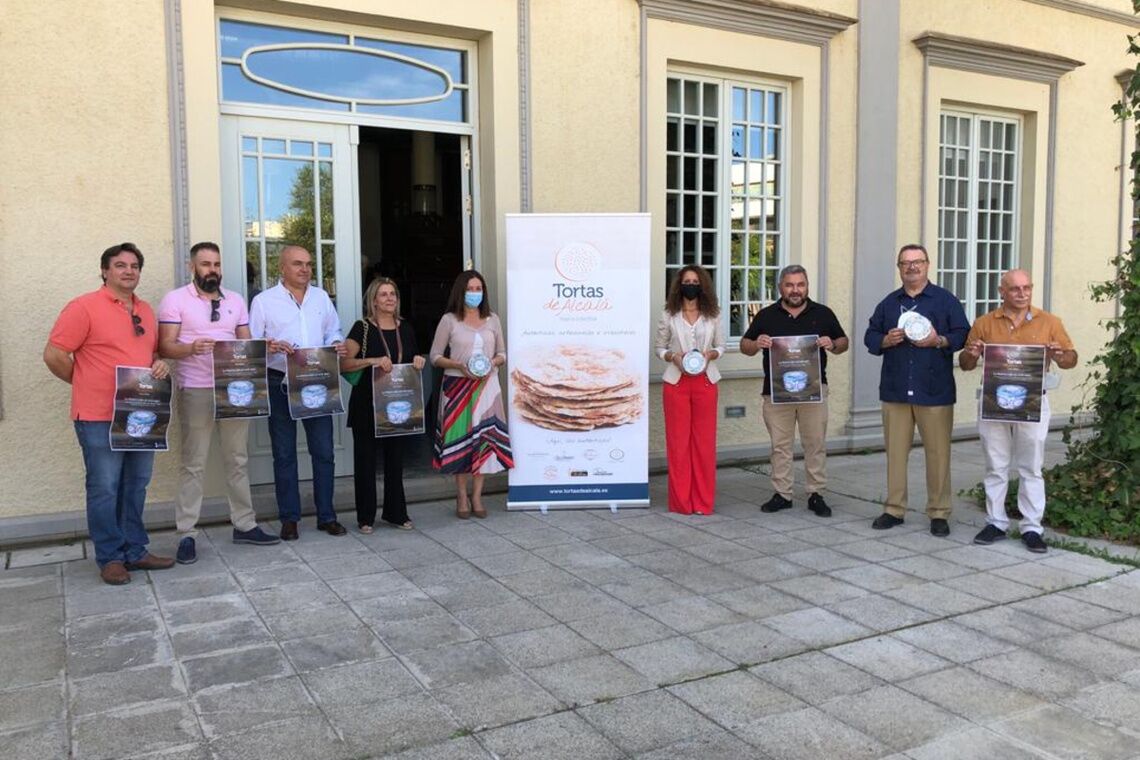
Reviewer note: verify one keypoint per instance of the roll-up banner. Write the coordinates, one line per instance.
(578, 359)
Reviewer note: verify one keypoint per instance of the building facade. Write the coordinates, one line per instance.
(391, 137)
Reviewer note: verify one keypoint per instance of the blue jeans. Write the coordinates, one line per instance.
(116, 493)
(283, 436)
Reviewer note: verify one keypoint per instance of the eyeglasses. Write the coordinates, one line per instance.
(914, 264)
(215, 304)
(136, 320)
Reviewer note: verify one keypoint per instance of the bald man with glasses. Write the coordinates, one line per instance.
(1008, 444)
(916, 383)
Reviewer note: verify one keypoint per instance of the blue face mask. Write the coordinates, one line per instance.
(472, 300)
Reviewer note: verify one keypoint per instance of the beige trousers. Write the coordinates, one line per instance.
(196, 414)
(934, 426)
(781, 421)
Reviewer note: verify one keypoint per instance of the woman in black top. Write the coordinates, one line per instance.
(377, 342)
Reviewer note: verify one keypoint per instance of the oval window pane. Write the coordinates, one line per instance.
(237, 88)
(237, 36)
(451, 108)
(345, 74)
(451, 61)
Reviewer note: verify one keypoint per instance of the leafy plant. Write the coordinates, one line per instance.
(1096, 491)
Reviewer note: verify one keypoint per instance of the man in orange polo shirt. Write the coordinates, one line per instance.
(1021, 444)
(95, 333)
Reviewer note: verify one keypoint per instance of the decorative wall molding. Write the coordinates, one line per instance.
(760, 17)
(985, 57)
(526, 193)
(1088, 9)
(179, 173)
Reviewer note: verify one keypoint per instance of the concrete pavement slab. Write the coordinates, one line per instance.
(590, 679)
(497, 701)
(673, 660)
(25, 706)
(887, 658)
(815, 677)
(809, 734)
(35, 742)
(564, 736)
(361, 683)
(952, 641)
(235, 709)
(894, 717)
(1062, 732)
(970, 694)
(735, 699)
(136, 729)
(643, 722)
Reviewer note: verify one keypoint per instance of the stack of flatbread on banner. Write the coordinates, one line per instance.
(576, 388)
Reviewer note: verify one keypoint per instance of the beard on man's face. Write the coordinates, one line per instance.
(208, 284)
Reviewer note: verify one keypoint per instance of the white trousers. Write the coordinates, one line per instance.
(1020, 445)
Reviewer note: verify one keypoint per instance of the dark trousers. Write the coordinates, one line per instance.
(365, 450)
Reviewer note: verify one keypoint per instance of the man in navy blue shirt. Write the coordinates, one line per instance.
(916, 385)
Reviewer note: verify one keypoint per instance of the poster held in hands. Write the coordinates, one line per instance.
(397, 401)
(795, 370)
(241, 388)
(1013, 380)
(313, 382)
(142, 410)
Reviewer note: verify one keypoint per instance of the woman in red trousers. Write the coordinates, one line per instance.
(689, 340)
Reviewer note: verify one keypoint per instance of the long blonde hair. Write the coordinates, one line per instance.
(370, 298)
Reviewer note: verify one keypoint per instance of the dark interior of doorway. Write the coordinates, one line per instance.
(411, 230)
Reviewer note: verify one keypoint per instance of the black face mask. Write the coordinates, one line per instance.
(690, 290)
(208, 284)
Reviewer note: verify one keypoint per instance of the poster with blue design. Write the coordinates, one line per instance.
(142, 410)
(577, 357)
(1013, 382)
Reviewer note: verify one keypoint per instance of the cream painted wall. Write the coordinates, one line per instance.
(1087, 183)
(83, 131)
(584, 106)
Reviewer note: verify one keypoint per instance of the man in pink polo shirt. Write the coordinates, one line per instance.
(190, 319)
(95, 333)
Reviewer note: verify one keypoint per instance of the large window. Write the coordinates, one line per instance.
(725, 189)
(978, 197)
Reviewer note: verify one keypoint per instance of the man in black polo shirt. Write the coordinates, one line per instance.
(795, 314)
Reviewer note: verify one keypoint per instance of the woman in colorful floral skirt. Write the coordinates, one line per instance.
(471, 434)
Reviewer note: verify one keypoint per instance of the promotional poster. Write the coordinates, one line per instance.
(142, 410)
(578, 359)
(313, 382)
(795, 370)
(1013, 379)
(241, 388)
(398, 400)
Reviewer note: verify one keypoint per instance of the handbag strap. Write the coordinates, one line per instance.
(399, 345)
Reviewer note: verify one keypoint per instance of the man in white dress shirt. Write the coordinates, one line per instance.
(295, 314)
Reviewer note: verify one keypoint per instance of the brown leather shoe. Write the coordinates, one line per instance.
(332, 528)
(115, 574)
(151, 562)
(289, 531)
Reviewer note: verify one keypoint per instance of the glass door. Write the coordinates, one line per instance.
(291, 183)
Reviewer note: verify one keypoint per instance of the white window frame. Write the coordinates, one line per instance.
(974, 302)
(722, 266)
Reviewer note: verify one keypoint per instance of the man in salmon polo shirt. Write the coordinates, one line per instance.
(95, 333)
(190, 319)
(1022, 444)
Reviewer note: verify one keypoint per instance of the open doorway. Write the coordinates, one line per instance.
(412, 217)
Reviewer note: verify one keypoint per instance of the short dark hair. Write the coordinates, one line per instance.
(913, 247)
(789, 270)
(455, 300)
(205, 245)
(115, 250)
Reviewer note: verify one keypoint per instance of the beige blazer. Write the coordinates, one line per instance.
(676, 335)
